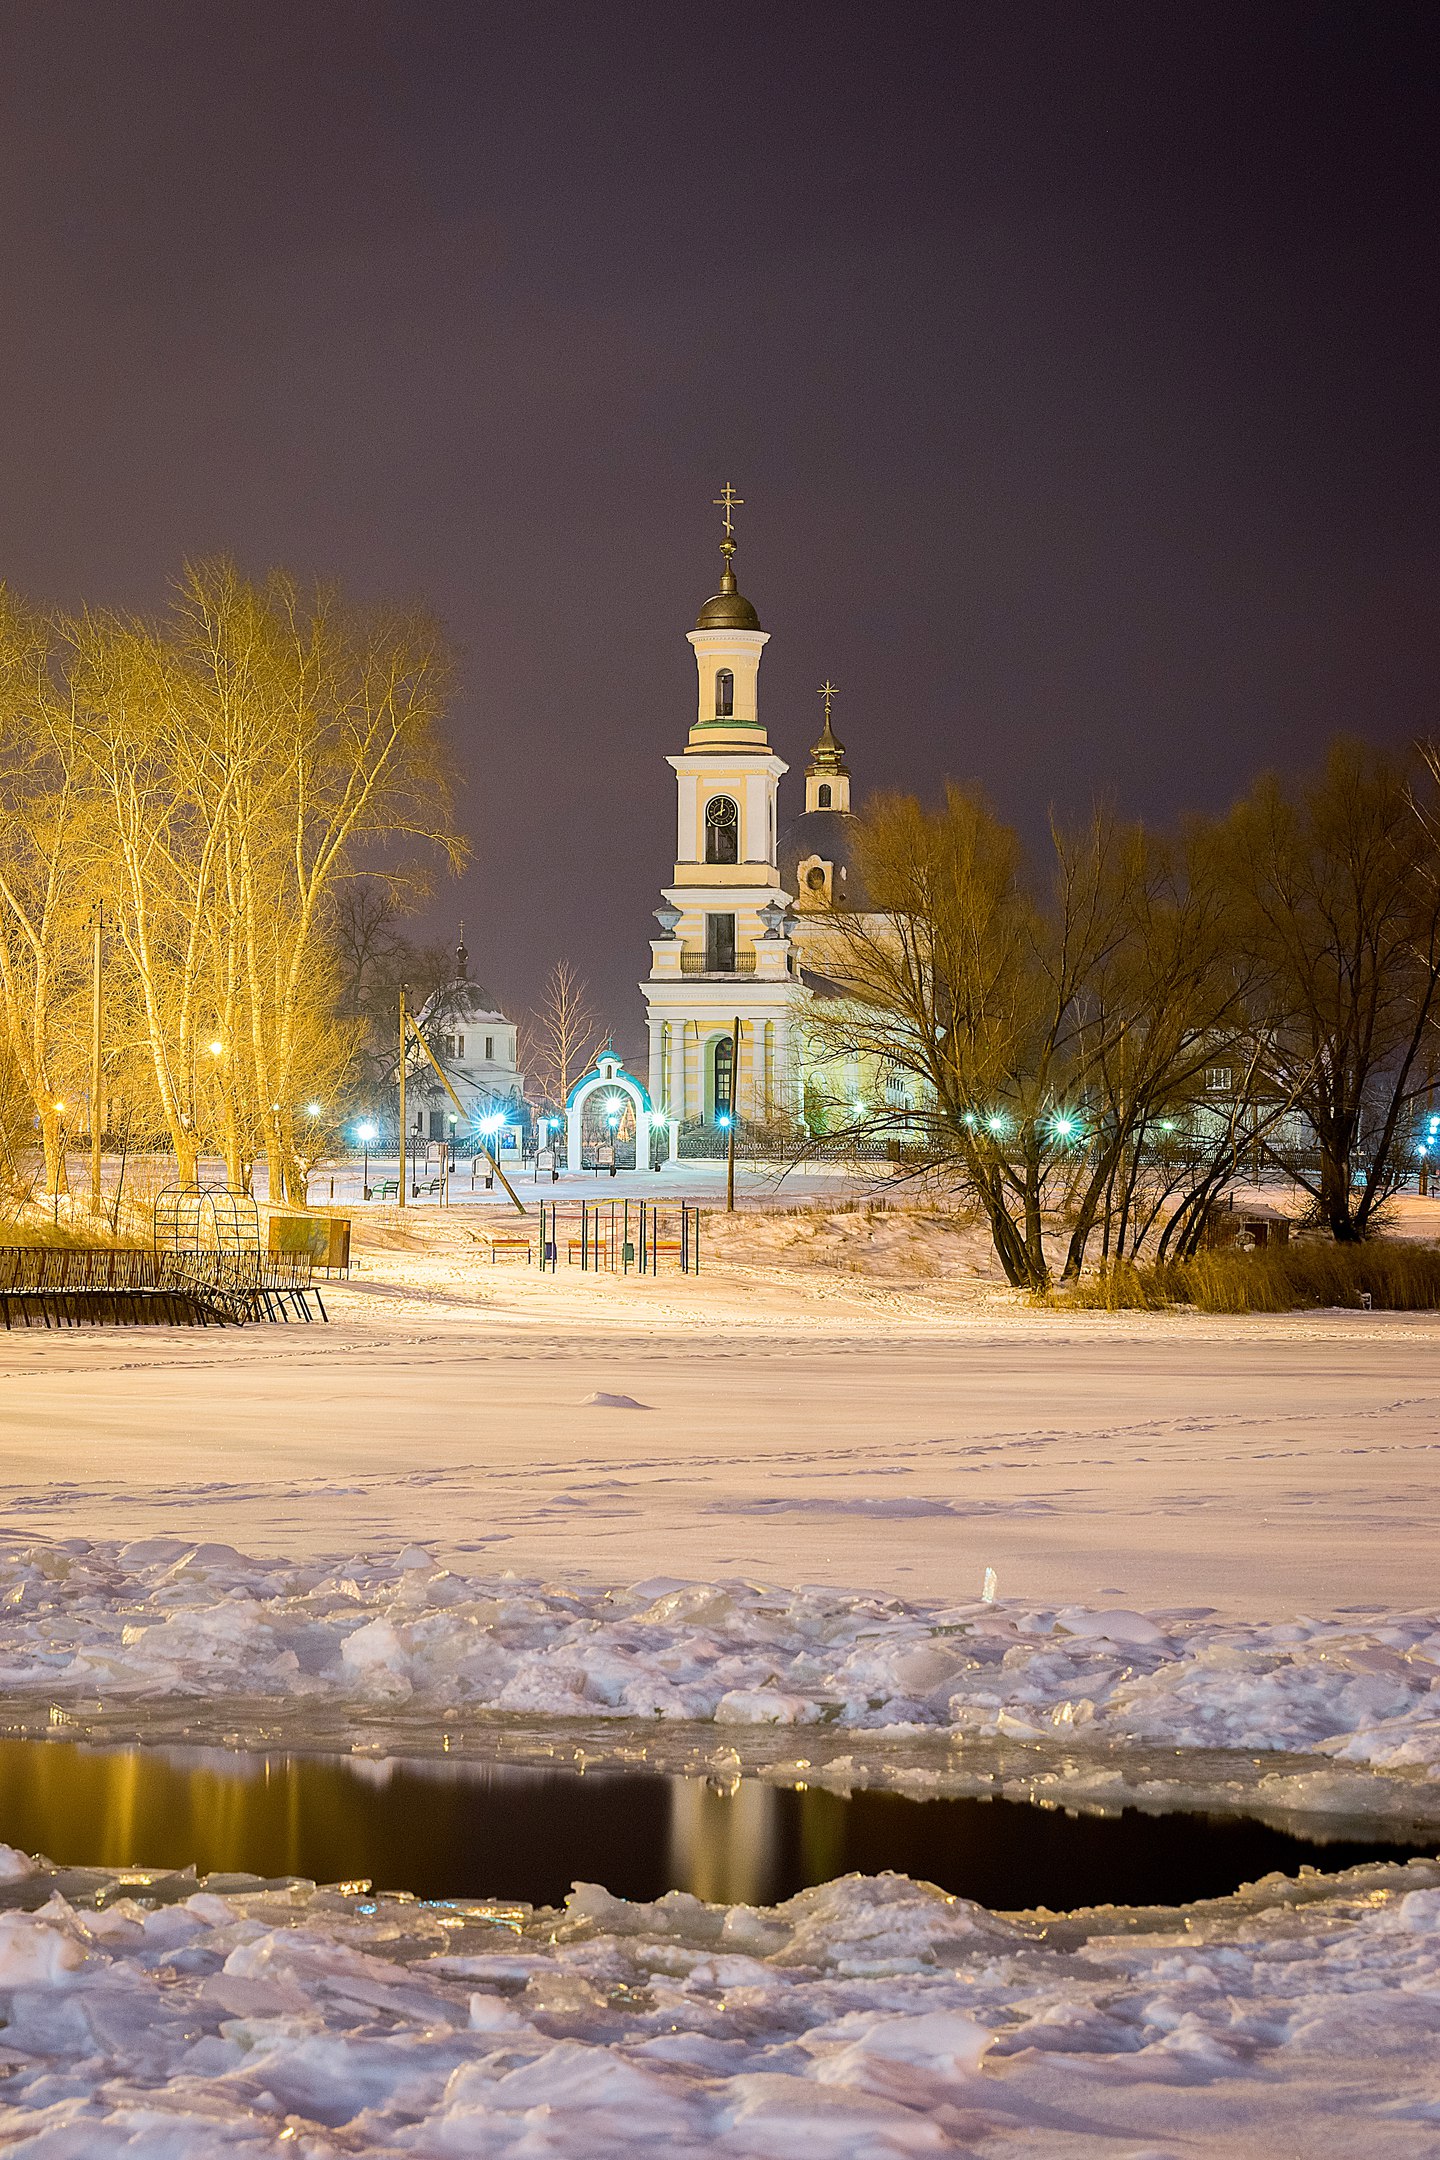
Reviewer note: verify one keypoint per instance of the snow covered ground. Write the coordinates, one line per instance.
(753, 1511)
(869, 2018)
(845, 1400)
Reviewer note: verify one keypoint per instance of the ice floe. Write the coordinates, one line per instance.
(163, 1619)
(869, 2018)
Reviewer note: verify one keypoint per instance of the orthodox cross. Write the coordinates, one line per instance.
(727, 500)
(827, 690)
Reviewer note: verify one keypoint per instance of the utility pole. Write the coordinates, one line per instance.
(95, 1071)
(400, 1182)
(734, 1113)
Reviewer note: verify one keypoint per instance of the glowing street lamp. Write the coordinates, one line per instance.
(216, 1048)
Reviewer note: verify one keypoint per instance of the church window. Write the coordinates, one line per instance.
(822, 795)
(720, 944)
(724, 695)
(724, 1076)
(815, 878)
(722, 830)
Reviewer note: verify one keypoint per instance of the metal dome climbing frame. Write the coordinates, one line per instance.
(206, 1218)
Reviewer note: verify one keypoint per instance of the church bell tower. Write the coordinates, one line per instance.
(724, 952)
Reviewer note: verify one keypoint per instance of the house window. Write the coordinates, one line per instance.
(720, 944)
(722, 830)
(449, 1046)
(724, 1076)
(822, 795)
(724, 695)
(437, 1125)
(489, 1049)
(1218, 1079)
(459, 1046)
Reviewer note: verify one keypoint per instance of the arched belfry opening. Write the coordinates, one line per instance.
(725, 694)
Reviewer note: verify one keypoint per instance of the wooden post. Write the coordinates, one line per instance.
(734, 1114)
(95, 1063)
(400, 1181)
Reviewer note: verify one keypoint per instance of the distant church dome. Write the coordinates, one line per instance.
(813, 854)
(813, 857)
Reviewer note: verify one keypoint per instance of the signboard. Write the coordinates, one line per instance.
(325, 1238)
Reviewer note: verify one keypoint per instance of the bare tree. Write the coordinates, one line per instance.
(1341, 913)
(45, 891)
(1041, 1031)
(561, 1035)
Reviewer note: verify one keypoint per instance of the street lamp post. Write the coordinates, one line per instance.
(365, 1134)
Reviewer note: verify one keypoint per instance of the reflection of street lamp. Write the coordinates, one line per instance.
(365, 1134)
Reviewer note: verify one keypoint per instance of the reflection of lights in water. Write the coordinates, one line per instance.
(722, 1840)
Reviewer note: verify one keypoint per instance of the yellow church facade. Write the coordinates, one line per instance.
(749, 903)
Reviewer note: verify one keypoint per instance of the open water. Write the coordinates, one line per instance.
(459, 1829)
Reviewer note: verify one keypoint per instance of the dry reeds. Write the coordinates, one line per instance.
(1279, 1278)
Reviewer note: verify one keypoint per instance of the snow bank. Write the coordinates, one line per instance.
(163, 1619)
(868, 2019)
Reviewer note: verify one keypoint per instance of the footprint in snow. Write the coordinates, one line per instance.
(613, 1402)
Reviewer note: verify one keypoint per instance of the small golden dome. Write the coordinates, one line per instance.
(727, 609)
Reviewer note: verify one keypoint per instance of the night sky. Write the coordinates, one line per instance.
(1077, 366)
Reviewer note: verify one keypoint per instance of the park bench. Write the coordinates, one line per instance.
(509, 1245)
(390, 1190)
(433, 1189)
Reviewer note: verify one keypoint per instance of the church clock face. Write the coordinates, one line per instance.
(722, 830)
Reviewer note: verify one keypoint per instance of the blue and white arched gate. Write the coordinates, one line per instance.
(608, 1074)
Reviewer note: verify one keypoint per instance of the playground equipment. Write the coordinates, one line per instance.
(614, 1236)
(205, 1218)
(78, 1286)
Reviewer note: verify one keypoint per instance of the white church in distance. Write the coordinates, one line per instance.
(746, 913)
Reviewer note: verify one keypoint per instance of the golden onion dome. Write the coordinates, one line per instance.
(727, 609)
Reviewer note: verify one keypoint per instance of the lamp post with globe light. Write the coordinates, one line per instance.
(490, 1126)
